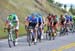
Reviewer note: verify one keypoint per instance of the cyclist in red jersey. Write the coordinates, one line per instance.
(62, 21)
(49, 21)
(54, 23)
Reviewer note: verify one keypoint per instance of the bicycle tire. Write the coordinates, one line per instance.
(29, 39)
(9, 40)
(14, 43)
(14, 38)
(9, 43)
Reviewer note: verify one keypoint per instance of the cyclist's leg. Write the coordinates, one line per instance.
(54, 28)
(42, 32)
(40, 28)
(32, 32)
(35, 34)
(61, 29)
(17, 33)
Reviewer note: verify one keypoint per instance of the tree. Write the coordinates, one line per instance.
(71, 8)
(65, 6)
(51, 1)
(58, 4)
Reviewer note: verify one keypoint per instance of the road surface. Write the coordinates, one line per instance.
(63, 43)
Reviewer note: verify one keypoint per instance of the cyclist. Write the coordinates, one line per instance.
(71, 19)
(33, 22)
(13, 19)
(43, 24)
(49, 26)
(54, 22)
(73, 23)
(67, 17)
(49, 21)
(57, 25)
(40, 24)
(62, 22)
(26, 23)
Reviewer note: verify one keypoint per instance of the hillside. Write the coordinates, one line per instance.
(22, 9)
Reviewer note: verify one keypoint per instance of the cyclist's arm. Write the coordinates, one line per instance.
(17, 21)
(65, 21)
(26, 23)
(37, 22)
(6, 23)
(41, 22)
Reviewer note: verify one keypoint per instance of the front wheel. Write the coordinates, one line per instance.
(29, 38)
(14, 39)
(14, 43)
(9, 40)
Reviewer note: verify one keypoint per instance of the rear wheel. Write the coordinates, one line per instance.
(14, 43)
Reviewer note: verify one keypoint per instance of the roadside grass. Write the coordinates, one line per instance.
(2, 33)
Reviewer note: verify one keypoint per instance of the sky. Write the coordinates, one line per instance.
(67, 2)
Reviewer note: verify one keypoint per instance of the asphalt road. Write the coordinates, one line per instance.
(63, 43)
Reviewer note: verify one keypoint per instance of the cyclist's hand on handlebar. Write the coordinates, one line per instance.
(4, 29)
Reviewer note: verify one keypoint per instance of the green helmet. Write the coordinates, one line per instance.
(10, 17)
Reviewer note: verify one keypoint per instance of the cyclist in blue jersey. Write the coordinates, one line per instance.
(71, 23)
(67, 17)
(71, 20)
(33, 23)
(40, 25)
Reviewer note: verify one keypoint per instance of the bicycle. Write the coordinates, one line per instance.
(73, 27)
(50, 33)
(39, 33)
(11, 35)
(64, 30)
(30, 36)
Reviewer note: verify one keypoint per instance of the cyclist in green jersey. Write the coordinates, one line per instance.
(13, 19)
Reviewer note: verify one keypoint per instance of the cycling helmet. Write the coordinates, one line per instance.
(10, 17)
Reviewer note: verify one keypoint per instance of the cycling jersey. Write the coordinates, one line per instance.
(49, 20)
(40, 20)
(67, 18)
(32, 21)
(74, 19)
(70, 18)
(62, 20)
(54, 22)
(13, 19)
(57, 18)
